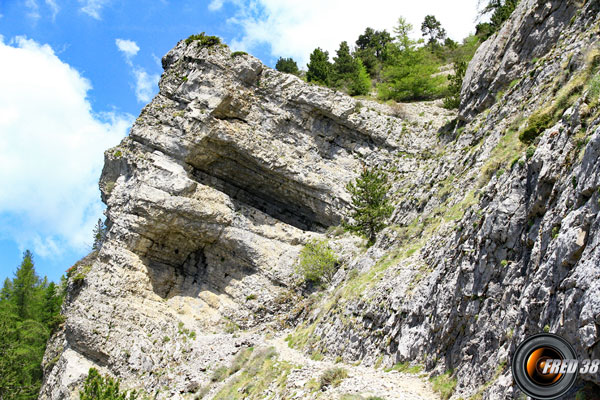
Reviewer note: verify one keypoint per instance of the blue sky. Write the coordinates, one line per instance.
(74, 74)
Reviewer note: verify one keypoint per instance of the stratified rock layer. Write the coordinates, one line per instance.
(224, 176)
(234, 166)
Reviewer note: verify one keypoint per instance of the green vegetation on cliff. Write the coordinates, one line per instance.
(98, 387)
(370, 203)
(401, 68)
(318, 262)
(29, 313)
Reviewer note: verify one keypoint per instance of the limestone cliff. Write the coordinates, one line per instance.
(234, 166)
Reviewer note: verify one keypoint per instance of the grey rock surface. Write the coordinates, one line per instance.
(223, 178)
(233, 167)
(533, 29)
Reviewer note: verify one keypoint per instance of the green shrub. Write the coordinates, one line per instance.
(405, 367)
(81, 274)
(537, 123)
(444, 384)
(594, 92)
(530, 152)
(238, 54)
(109, 187)
(97, 387)
(317, 262)
(240, 360)
(205, 40)
(220, 374)
(452, 99)
(332, 377)
(231, 326)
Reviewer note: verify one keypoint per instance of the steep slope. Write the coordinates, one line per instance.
(223, 178)
(234, 166)
(505, 241)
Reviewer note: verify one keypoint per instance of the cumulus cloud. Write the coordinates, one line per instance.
(215, 5)
(144, 82)
(51, 150)
(128, 47)
(93, 7)
(295, 29)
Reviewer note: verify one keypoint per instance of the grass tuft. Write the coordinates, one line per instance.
(444, 384)
(332, 377)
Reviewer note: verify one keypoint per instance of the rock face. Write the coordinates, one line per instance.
(534, 28)
(234, 166)
(225, 175)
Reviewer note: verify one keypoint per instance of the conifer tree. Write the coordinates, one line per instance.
(344, 66)
(402, 31)
(29, 308)
(452, 99)
(25, 286)
(361, 82)
(6, 290)
(99, 234)
(287, 65)
(408, 75)
(433, 28)
(371, 205)
(319, 67)
(371, 48)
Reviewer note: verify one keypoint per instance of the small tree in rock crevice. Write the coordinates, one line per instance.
(370, 202)
(452, 99)
(99, 234)
(318, 262)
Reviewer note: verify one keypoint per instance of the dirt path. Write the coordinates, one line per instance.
(363, 381)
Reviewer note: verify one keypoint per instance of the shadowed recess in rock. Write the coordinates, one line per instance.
(196, 274)
(238, 176)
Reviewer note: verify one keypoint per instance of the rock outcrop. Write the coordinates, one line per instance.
(223, 178)
(233, 167)
(532, 31)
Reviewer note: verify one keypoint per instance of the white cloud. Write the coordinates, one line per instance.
(93, 7)
(215, 5)
(34, 9)
(128, 47)
(145, 83)
(295, 29)
(51, 150)
(53, 7)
